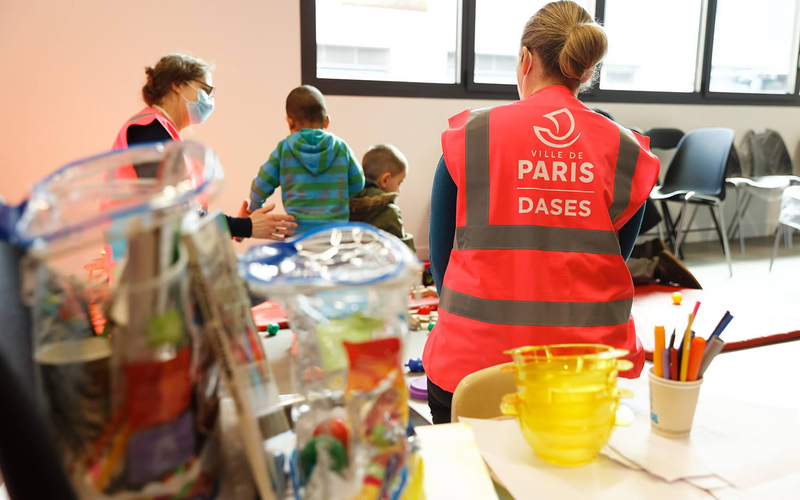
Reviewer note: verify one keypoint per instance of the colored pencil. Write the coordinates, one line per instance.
(723, 326)
(713, 348)
(673, 364)
(722, 320)
(695, 358)
(687, 342)
(658, 368)
(665, 363)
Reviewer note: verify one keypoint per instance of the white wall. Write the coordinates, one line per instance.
(73, 72)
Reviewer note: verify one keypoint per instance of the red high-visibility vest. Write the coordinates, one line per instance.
(544, 184)
(143, 117)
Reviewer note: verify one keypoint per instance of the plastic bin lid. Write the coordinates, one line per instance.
(80, 195)
(336, 255)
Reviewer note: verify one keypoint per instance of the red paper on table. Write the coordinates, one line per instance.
(758, 318)
(269, 312)
(432, 302)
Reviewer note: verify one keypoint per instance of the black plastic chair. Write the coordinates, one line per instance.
(696, 176)
(664, 138)
(660, 138)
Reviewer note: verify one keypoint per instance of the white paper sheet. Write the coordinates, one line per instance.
(453, 467)
(708, 482)
(527, 477)
(742, 443)
(784, 488)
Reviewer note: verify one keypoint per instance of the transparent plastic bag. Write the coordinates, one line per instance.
(128, 384)
(344, 290)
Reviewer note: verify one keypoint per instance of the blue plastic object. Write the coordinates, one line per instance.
(415, 365)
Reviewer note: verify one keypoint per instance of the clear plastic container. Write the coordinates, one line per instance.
(127, 383)
(345, 291)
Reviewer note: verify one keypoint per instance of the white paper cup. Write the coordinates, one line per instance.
(672, 406)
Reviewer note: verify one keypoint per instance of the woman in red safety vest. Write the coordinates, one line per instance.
(179, 93)
(536, 205)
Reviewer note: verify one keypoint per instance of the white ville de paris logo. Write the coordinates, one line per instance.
(541, 131)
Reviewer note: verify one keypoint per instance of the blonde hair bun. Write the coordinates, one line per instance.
(567, 39)
(585, 46)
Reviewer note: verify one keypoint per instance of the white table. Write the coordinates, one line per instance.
(766, 375)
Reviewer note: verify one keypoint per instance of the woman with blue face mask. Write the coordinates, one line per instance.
(179, 92)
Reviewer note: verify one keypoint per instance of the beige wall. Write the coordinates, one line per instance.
(73, 71)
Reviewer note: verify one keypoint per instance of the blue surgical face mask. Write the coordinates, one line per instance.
(201, 109)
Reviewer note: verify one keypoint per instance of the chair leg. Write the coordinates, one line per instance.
(746, 198)
(721, 229)
(787, 236)
(691, 217)
(716, 226)
(735, 223)
(739, 221)
(775, 246)
(679, 232)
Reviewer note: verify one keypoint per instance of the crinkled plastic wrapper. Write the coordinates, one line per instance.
(128, 384)
(345, 291)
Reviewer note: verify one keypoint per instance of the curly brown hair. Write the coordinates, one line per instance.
(172, 68)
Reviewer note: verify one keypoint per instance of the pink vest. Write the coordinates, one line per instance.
(144, 117)
(544, 185)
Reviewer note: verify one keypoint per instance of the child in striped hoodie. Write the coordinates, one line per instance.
(317, 171)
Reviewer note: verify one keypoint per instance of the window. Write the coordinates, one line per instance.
(498, 29)
(393, 40)
(661, 51)
(360, 63)
(651, 56)
(755, 51)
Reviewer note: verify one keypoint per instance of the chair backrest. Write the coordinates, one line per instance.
(764, 153)
(479, 394)
(699, 162)
(664, 138)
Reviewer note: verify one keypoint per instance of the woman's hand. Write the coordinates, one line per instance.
(266, 225)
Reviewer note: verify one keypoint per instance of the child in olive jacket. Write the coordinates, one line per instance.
(385, 169)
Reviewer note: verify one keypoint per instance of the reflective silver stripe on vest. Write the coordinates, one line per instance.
(555, 239)
(534, 313)
(627, 159)
(476, 167)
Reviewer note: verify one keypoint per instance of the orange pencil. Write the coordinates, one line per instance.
(673, 364)
(658, 351)
(695, 357)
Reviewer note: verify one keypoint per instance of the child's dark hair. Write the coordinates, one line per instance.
(172, 69)
(306, 104)
(383, 158)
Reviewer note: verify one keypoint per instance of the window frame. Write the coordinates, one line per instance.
(467, 88)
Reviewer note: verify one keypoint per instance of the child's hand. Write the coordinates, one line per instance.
(244, 210)
(271, 226)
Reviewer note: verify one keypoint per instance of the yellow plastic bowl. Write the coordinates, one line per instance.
(566, 399)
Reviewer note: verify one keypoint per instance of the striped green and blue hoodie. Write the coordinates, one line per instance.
(317, 173)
